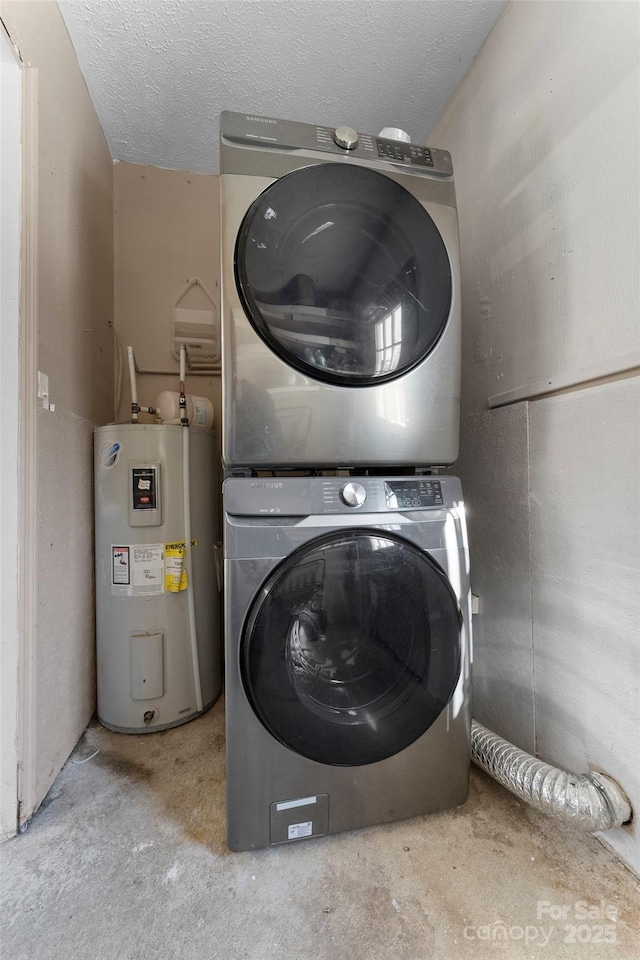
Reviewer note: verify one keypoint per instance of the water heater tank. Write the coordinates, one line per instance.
(146, 678)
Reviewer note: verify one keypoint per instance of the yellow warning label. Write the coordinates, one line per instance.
(175, 567)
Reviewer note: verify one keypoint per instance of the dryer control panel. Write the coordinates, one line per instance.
(269, 132)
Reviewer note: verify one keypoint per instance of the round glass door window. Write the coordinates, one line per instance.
(351, 649)
(344, 274)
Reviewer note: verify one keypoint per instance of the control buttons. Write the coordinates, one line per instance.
(346, 137)
(353, 494)
(404, 152)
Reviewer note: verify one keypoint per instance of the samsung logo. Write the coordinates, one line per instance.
(270, 484)
(261, 120)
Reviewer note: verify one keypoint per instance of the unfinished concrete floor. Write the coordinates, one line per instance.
(127, 860)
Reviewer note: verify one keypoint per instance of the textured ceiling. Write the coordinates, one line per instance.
(160, 71)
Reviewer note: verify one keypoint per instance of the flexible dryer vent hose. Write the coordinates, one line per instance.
(589, 802)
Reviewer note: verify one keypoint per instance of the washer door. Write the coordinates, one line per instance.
(344, 274)
(351, 649)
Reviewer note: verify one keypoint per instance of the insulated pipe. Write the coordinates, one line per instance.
(117, 372)
(135, 409)
(186, 503)
(589, 801)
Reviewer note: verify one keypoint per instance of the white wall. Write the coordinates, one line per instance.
(75, 349)
(544, 134)
(545, 140)
(10, 158)
(166, 233)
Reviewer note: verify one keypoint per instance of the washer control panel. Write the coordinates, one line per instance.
(377, 494)
(269, 132)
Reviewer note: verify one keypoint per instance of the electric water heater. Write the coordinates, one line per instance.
(157, 609)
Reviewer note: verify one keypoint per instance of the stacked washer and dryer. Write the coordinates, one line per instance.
(347, 597)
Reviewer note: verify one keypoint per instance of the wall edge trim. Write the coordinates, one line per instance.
(603, 371)
(28, 447)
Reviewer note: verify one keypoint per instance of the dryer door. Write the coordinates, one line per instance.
(344, 274)
(351, 649)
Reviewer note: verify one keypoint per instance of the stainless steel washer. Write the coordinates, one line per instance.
(348, 638)
(340, 298)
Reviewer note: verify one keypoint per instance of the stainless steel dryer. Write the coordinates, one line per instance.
(340, 298)
(348, 637)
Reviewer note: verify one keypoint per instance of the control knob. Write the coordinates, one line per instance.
(353, 494)
(346, 137)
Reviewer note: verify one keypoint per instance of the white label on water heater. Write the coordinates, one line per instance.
(120, 566)
(144, 573)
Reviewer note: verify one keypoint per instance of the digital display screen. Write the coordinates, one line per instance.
(405, 152)
(403, 494)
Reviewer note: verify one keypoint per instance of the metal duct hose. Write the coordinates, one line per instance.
(589, 802)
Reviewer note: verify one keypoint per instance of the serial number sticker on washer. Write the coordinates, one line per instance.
(296, 831)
